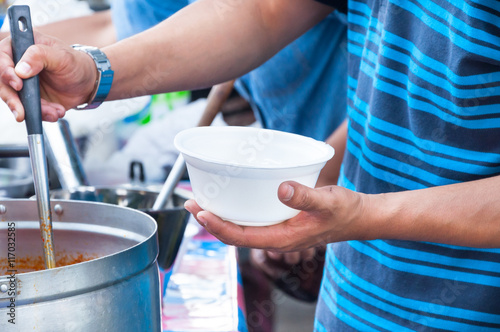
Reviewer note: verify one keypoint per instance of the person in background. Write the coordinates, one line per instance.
(286, 93)
(414, 223)
(53, 108)
(418, 190)
(96, 29)
(291, 92)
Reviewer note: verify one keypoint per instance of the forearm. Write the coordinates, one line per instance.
(95, 30)
(206, 43)
(465, 214)
(330, 173)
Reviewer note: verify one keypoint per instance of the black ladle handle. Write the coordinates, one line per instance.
(21, 31)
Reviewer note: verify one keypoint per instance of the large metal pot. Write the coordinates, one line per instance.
(171, 221)
(117, 290)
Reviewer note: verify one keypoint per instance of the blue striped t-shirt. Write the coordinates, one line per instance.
(423, 111)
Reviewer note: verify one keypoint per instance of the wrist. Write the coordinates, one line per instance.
(373, 219)
(90, 81)
(103, 77)
(387, 217)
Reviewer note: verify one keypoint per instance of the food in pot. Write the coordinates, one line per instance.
(32, 263)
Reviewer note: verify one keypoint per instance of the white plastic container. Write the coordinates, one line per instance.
(235, 172)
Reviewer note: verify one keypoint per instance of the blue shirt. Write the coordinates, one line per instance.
(423, 111)
(299, 90)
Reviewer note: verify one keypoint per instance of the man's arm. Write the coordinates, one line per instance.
(465, 214)
(208, 42)
(96, 29)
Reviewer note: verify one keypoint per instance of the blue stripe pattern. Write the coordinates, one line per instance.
(423, 110)
(396, 305)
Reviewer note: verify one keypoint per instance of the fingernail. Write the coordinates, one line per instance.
(288, 192)
(201, 220)
(15, 114)
(188, 205)
(13, 84)
(23, 68)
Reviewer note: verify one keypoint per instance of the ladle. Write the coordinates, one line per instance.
(216, 98)
(22, 37)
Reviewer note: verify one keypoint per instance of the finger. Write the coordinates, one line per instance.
(32, 62)
(260, 260)
(7, 75)
(257, 256)
(39, 57)
(300, 197)
(50, 117)
(49, 112)
(308, 254)
(244, 236)
(194, 209)
(10, 97)
(52, 110)
(6, 46)
(292, 258)
(274, 255)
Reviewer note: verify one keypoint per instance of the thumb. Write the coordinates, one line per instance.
(47, 53)
(300, 197)
(34, 60)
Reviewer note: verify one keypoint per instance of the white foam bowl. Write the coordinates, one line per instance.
(235, 172)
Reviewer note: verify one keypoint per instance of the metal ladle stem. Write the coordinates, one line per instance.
(40, 174)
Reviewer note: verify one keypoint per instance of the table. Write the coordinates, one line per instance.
(205, 292)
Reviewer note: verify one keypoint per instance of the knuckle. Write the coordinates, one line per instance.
(6, 94)
(285, 247)
(35, 52)
(4, 72)
(11, 104)
(237, 242)
(303, 199)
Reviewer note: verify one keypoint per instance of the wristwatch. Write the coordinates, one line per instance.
(104, 76)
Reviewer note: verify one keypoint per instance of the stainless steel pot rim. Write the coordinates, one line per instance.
(104, 270)
(150, 191)
(101, 294)
(123, 188)
(59, 225)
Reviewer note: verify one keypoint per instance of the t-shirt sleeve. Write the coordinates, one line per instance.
(340, 5)
(133, 16)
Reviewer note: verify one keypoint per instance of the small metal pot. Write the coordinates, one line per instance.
(117, 290)
(15, 185)
(171, 221)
